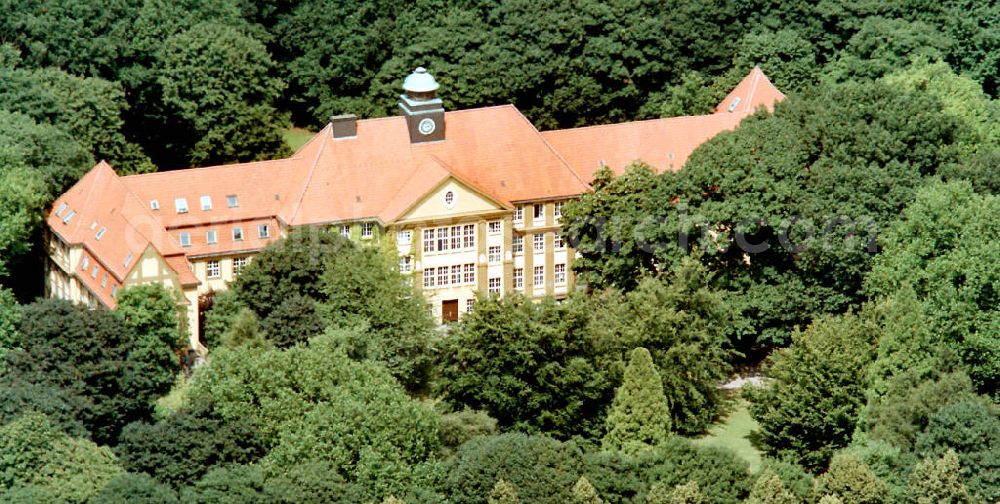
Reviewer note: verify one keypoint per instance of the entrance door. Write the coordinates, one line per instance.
(449, 311)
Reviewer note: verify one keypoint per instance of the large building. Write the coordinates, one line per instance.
(471, 199)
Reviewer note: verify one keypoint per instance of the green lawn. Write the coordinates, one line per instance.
(731, 432)
(297, 137)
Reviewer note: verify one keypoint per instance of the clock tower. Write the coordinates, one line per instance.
(422, 108)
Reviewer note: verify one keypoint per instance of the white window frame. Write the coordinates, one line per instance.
(232, 201)
(538, 212)
(181, 205)
(238, 233)
(557, 209)
(456, 274)
(442, 239)
(213, 269)
(429, 241)
(429, 278)
(539, 276)
(263, 231)
(538, 242)
(518, 278)
(405, 264)
(558, 242)
(495, 254)
(469, 274)
(469, 236)
(185, 239)
(443, 276)
(559, 273)
(494, 227)
(154, 205)
(345, 230)
(206, 202)
(211, 237)
(495, 286)
(517, 244)
(470, 304)
(519, 213)
(239, 263)
(404, 237)
(367, 229)
(456, 237)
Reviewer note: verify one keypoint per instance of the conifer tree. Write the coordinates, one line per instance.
(658, 494)
(640, 416)
(769, 489)
(503, 493)
(938, 480)
(585, 493)
(688, 493)
(852, 481)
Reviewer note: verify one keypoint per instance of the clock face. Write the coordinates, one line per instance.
(426, 126)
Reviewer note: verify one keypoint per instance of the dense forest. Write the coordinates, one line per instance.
(870, 198)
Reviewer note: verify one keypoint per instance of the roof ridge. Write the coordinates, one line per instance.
(212, 167)
(757, 72)
(307, 181)
(311, 140)
(414, 173)
(551, 149)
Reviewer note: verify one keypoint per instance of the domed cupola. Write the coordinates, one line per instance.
(422, 108)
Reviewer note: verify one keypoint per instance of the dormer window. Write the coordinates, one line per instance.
(185, 239)
(263, 231)
(206, 202)
(232, 201)
(211, 237)
(181, 204)
(237, 234)
(154, 204)
(62, 208)
(101, 232)
(68, 217)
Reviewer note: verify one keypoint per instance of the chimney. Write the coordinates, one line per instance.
(422, 108)
(344, 126)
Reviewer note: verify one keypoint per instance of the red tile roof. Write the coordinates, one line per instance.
(665, 144)
(753, 92)
(378, 174)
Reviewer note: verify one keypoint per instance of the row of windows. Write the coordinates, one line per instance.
(459, 274)
(538, 242)
(559, 275)
(367, 229)
(212, 236)
(214, 268)
(443, 239)
(181, 204)
(97, 269)
(538, 212)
